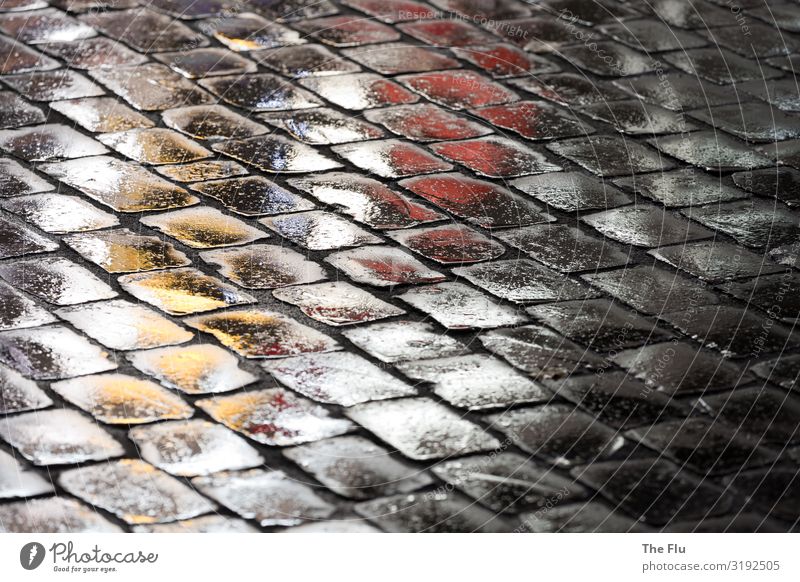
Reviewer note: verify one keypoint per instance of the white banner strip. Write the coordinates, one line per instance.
(356, 557)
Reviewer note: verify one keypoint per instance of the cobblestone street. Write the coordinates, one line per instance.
(389, 265)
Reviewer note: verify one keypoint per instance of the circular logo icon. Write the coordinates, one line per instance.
(31, 555)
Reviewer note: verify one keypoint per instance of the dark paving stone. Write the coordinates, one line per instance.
(558, 433)
(711, 151)
(459, 89)
(564, 248)
(449, 244)
(276, 154)
(704, 445)
(540, 34)
(426, 122)
(534, 120)
(428, 430)
(719, 65)
(755, 122)
(92, 53)
(304, 61)
(201, 171)
(773, 491)
(678, 91)
(479, 202)
(598, 323)
(431, 513)
(145, 30)
(540, 352)
(684, 187)
(399, 58)
(17, 181)
(752, 223)
(337, 378)
(598, 12)
(475, 381)
(366, 200)
(457, 306)
(781, 93)
(16, 240)
(778, 295)
(734, 331)
(211, 122)
(356, 468)
(651, 290)
(523, 281)
(210, 62)
(253, 196)
(18, 394)
(608, 59)
(508, 482)
(610, 156)
(569, 89)
(637, 118)
(16, 112)
(768, 414)
(18, 311)
(41, 26)
(495, 157)
(337, 303)
(652, 36)
(260, 92)
(715, 262)
(783, 371)
(761, 42)
(780, 183)
(292, 10)
(323, 126)
(53, 515)
(691, 15)
(591, 517)
(645, 226)
(572, 191)
(151, 87)
(654, 490)
(679, 368)
(53, 85)
(344, 31)
(740, 523)
(617, 400)
(18, 58)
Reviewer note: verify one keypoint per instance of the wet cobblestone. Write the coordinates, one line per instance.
(398, 266)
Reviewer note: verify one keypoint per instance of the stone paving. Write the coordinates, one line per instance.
(464, 265)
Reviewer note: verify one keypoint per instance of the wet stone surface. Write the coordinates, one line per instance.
(359, 266)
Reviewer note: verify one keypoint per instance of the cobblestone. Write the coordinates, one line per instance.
(399, 265)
